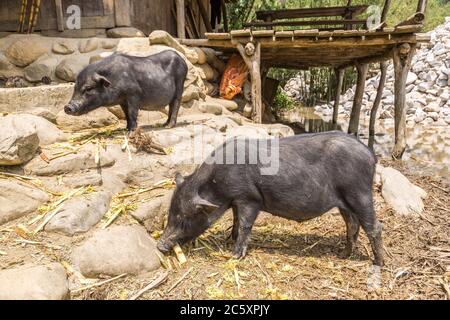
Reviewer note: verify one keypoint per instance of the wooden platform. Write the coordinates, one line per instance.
(302, 49)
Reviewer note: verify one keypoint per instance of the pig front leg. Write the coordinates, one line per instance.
(246, 216)
(131, 110)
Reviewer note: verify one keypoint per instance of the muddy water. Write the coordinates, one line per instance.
(428, 146)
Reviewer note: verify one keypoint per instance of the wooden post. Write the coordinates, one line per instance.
(224, 15)
(122, 13)
(59, 15)
(387, 4)
(402, 63)
(422, 6)
(181, 19)
(339, 72)
(252, 57)
(376, 104)
(204, 15)
(357, 101)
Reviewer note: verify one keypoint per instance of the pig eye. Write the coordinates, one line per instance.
(87, 89)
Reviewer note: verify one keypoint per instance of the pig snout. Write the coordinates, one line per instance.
(71, 108)
(164, 245)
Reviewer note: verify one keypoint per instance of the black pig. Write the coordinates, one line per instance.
(147, 83)
(316, 172)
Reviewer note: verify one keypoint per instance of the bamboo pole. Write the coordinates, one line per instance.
(339, 79)
(181, 19)
(204, 15)
(387, 4)
(421, 6)
(23, 11)
(357, 101)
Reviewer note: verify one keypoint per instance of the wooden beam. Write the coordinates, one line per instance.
(122, 13)
(205, 16)
(357, 101)
(251, 54)
(306, 23)
(181, 19)
(402, 63)
(387, 4)
(339, 72)
(416, 18)
(310, 12)
(59, 15)
(422, 6)
(376, 104)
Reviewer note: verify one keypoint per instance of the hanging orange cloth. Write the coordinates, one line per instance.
(233, 77)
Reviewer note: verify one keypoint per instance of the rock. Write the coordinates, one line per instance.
(67, 164)
(248, 109)
(47, 132)
(118, 112)
(18, 199)
(69, 68)
(221, 123)
(97, 118)
(190, 93)
(29, 282)
(153, 212)
(44, 113)
(116, 250)
(83, 180)
(211, 107)
(63, 47)
(191, 55)
(247, 132)
(124, 32)
(40, 69)
(432, 107)
(424, 86)
(201, 56)
(403, 196)
(24, 51)
(163, 37)
(412, 77)
(80, 213)
(228, 104)
(212, 89)
(109, 44)
(5, 65)
(433, 115)
(213, 60)
(88, 45)
(19, 141)
(99, 57)
(206, 72)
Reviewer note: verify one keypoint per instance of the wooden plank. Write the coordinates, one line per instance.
(325, 34)
(86, 23)
(423, 37)
(181, 16)
(122, 13)
(262, 33)
(306, 33)
(108, 7)
(240, 33)
(416, 18)
(284, 34)
(408, 29)
(205, 16)
(310, 12)
(219, 36)
(59, 15)
(306, 23)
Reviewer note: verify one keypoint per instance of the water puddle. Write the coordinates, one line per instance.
(426, 144)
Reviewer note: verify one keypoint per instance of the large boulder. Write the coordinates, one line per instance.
(403, 196)
(40, 69)
(68, 164)
(23, 52)
(117, 250)
(124, 32)
(163, 37)
(79, 214)
(29, 282)
(19, 141)
(97, 118)
(18, 199)
(47, 132)
(69, 68)
(152, 213)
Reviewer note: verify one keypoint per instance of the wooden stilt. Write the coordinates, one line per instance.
(181, 19)
(252, 57)
(376, 104)
(339, 72)
(402, 63)
(357, 101)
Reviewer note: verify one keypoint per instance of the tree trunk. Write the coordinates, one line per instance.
(339, 79)
(376, 104)
(357, 101)
(402, 63)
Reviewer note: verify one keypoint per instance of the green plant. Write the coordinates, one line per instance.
(282, 101)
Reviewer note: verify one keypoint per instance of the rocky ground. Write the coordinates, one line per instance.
(427, 86)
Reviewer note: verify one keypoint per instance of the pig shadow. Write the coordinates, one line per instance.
(298, 245)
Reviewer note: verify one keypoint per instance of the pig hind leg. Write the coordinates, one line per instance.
(174, 105)
(352, 224)
(246, 216)
(131, 115)
(364, 212)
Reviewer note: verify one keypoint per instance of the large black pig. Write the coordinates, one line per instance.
(316, 172)
(147, 83)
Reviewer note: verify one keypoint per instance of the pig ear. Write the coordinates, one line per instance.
(179, 179)
(199, 201)
(101, 80)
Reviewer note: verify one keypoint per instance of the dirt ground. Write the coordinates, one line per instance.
(286, 259)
